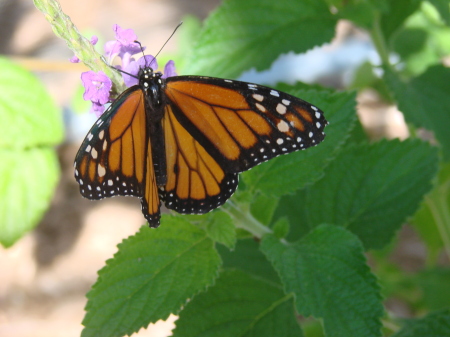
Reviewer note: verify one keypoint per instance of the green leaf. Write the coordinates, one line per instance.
(360, 13)
(434, 285)
(154, 273)
(281, 227)
(220, 228)
(289, 208)
(240, 35)
(239, 305)
(424, 101)
(327, 272)
(372, 189)
(410, 41)
(436, 324)
(27, 181)
(395, 16)
(262, 207)
(27, 113)
(247, 257)
(443, 8)
(289, 173)
(432, 220)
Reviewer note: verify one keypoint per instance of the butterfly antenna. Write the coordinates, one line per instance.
(119, 70)
(154, 57)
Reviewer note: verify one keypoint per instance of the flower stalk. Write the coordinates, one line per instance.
(82, 47)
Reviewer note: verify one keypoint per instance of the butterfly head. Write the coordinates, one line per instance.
(147, 77)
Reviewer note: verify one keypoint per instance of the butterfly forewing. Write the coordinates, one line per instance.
(242, 124)
(196, 183)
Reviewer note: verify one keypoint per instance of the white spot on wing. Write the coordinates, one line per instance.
(101, 170)
(286, 102)
(94, 153)
(258, 97)
(280, 141)
(101, 134)
(260, 107)
(274, 93)
(283, 126)
(281, 109)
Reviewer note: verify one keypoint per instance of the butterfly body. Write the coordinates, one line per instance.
(183, 140)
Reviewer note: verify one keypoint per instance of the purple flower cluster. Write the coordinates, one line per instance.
(98, 86)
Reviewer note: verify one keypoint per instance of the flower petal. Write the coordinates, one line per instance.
(169, 70)
(124, 36)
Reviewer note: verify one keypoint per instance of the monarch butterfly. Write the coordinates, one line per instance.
(183, 140)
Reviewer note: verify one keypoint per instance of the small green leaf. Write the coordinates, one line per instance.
(239, 305)
(220, 228)
(152, 275)
(27, 113)
(281, 228)
(247, 257)
(410, 41)
(432, 220)
(27, 181)
(372, 189)
(398, 12)
(263, 206)
(327, 272)
(436, 324)
(443, 8)
(288, 173)
(240, 35)
(288, 208)
(360, 13)
(424, 101)
(434, 285)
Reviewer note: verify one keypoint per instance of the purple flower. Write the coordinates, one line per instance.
(169, 69)
(94, 40)
(97, 109)
(74, 59)
(97, 87)
(124, 45)
(134, 66)
(124, 36)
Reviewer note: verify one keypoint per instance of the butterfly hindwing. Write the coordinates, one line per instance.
(196, 183)
(242, 124)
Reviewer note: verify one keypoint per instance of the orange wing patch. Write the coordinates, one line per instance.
(195, 181)
(150, 200)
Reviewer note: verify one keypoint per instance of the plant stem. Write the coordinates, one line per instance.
(244, 219)
(379, 41)
(82, 47)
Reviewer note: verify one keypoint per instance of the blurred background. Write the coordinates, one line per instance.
(44, 277)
